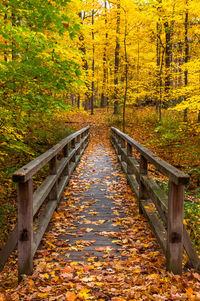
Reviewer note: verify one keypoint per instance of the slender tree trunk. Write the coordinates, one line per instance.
(93, 51)
(160, 84)
(158, 54)
(126, 75)
(168, 54)
(103, 97)
(198, 116)
(83, 49)
(78, 101)
(185, 116)
(116, 70)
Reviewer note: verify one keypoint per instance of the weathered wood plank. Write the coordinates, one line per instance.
(130, 160)
(155, 223)
(134, 185)
(53, 171)
(177, 176)
(42, 192)
(25, 228)
(157, 195)
(9, 247)
(42, 224)
(129, 155)
(190, 250)
(175, 228)
(27, 171)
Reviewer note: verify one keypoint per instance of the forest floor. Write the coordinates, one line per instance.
(78, 268)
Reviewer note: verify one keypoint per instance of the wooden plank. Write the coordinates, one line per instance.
(27, 171)
(53, 171)
(135, 166)
(66, 154)
(177, 176)
(9, 247)
(129, 155)
(42, 224)
(42, 192)
(190, 250)
(155, 223)
(157, 195)
(124, 166)
(143, 171)
(61, 187)
(25, 228)
(134, 185)
(130, 160)
(175, 228)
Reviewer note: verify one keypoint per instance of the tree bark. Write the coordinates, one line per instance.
(185, 116)
(116, 70)
(93, 51)
(126, 75)
(103, 97)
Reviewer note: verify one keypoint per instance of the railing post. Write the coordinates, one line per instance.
(73, 145)
(25, 228)
(122, 146)
(143, 171)
(129, 154)
(65, 154)
(175, 228)
(78, 140)
(117, 144)
(53, 195)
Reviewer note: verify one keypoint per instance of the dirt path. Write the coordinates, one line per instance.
(98, 247)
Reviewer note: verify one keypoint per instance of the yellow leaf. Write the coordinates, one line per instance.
(83, 294)
(46, 276)
(43, 295)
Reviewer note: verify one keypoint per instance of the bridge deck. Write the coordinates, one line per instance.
(98, 218)
(95, 188)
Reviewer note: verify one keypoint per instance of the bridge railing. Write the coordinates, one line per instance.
(62, 159)
(164, 212)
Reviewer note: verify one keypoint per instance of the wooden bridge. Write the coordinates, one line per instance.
(164, 212)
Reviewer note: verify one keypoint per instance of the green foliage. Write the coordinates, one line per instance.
(168, 130)
(192, 219)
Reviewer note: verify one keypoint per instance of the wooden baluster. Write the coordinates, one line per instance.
(142, 189)
(53, 195)
(81, 138)
(73, 146)
(66, 154)
(78, 141)
(25, 228)
(175, 228)
(122, 146)
(129, 154)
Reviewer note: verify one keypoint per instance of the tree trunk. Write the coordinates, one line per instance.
(185, 116)
(83, 49)
(78, 101)
(103, 97)
(158, 55)
(93, 50)
(126, 75)
(116, 70)
(168, 55)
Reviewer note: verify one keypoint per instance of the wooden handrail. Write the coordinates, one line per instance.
(26, 172)
(154, 202)
(177, 176)
(30, 202)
